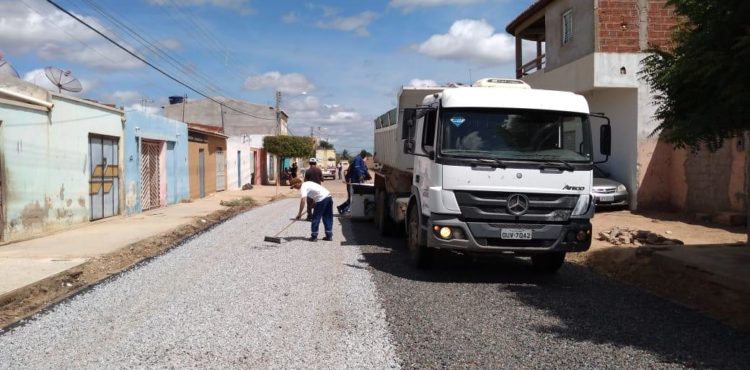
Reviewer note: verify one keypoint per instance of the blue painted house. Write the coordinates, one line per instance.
(155, 161)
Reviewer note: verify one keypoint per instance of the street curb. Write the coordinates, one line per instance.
(65, 277)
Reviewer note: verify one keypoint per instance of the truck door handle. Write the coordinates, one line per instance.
(417, 178)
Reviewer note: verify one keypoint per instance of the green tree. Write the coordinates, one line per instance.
(702, 84)
(345, 155)
(290, 147)
(325, 145)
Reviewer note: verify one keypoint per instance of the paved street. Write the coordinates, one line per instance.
(225, 299)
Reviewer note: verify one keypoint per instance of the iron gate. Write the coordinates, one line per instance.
(104, 183)
(150, 179)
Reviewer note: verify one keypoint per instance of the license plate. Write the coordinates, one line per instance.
(516, 234)
(607, 198)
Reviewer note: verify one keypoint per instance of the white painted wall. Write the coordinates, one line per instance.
(47, 163)
(621, 106)
(243, 145)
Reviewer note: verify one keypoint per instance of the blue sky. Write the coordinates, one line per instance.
(337, 63)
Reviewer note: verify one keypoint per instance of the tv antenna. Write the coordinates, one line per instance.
(63, 79)
(6, 69)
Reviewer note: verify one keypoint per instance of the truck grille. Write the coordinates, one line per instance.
(492, 207)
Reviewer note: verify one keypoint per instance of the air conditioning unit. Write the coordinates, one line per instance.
(501, 82)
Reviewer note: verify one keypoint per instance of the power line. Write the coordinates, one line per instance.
(150, 64)
(156, 49)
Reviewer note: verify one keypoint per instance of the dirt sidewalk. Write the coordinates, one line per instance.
(707, 272)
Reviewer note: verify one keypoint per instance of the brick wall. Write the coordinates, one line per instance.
(661, 20)
(618, 27)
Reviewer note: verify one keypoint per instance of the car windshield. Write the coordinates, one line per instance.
(515, 135)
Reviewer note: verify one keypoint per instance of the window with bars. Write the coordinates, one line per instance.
(567, 29)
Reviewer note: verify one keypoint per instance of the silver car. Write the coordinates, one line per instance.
(608, 192)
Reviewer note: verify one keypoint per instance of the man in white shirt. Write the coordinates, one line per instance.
(323, 206)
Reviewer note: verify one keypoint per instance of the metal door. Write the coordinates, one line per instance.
(239, 169)
(202, 172)
(150, 176)
(221, 170)
(252, 167)
(104, 183)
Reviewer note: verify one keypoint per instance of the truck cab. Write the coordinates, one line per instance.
(499, 168)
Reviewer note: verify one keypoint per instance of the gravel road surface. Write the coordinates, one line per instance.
(498, 314)
(228, 300)
(225, 299)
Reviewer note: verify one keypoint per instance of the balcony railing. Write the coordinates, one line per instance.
(534, 65)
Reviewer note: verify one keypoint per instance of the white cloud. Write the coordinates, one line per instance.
(289, 18)
(356, 23)
(243, 6)
(292, 83)
(53, 35)
(344, 127)
(470, 40)
(123, 97)
(422, 83)
(408, 5)
(37, 77)
(171, 44)
(150, 109)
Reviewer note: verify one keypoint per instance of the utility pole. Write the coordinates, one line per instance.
(278, 112)
(144, 103)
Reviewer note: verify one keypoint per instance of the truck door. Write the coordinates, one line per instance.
(423, 174)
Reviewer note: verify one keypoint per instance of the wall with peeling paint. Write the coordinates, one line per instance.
(173, 161)
(45, 163)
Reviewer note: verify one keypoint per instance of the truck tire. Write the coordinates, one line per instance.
(548, 263)
(419, 255)
(382, 220)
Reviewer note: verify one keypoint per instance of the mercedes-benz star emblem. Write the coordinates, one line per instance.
(518, 204)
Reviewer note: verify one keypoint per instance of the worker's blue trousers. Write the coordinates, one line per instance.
(323, 210)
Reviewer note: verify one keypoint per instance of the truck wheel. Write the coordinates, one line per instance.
(419, 254)
(382, 219)
(548, 262)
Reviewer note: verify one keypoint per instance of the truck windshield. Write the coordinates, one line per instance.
(515, 135)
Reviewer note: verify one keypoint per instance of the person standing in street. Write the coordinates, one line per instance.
(357, 174)
(294, 170)
(339, 167)
(315, 175)
(323, 207)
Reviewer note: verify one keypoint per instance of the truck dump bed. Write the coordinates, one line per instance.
(389, 128)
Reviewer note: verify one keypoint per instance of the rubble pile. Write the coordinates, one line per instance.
(625, 236)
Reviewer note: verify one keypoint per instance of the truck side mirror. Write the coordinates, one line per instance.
(605, 140)
(408, 146)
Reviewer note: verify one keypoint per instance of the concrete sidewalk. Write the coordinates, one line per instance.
(25, 262)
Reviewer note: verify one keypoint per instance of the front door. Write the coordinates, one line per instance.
(104, 183)
(150, 175)
(202, 172)
(221, 170)
(239, 169)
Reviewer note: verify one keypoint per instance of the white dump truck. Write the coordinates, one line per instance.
(492, 168)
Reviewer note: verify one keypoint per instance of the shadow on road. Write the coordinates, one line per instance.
(587, 308)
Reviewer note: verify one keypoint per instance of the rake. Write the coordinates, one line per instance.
(276, 239)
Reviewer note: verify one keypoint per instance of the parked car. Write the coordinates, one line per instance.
(608, 192)
(329, 172)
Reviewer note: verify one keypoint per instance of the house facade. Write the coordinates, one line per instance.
(207, 164)
(60, 160)
(155, 162)
(595, 48)
(245, 124)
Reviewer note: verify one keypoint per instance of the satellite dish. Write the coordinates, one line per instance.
(64, 80)
(6, 69)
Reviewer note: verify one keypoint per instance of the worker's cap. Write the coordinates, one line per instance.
(295, 181)
(313, 160)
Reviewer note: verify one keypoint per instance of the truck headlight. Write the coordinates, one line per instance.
(582, 206)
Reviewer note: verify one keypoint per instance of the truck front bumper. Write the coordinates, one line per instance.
(485, 237)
